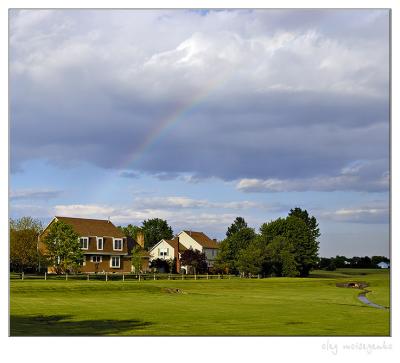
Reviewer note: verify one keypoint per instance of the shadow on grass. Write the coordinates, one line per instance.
(61, 325)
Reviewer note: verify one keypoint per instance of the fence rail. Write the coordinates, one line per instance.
(120, 277)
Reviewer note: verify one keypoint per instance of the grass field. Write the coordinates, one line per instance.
(271, 307)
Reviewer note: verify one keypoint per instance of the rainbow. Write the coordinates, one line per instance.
(173, 118)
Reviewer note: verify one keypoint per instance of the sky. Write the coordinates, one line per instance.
(197, 117)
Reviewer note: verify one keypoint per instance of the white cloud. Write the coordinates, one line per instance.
(34, 194)
(370, 214)
(190, 203)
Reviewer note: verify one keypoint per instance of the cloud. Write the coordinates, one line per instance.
(268, 95)
(175, 202)
(369, 214)
(179, 220)
(31, 194)
(358, 176)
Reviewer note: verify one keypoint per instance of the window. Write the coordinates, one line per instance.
(115, 261)
(100, 243)
(118, 244)
(163, 252)
(84, 242)
(96, 259)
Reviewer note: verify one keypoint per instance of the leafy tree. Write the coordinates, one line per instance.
(340, 261)
(63, 247)
(160, 264)
(231, 247)
(250, 260)
(24, 234)
(236, 226)
(138, 253)
(155, 230)
(194, 259)
(130, 231)
(297, 233)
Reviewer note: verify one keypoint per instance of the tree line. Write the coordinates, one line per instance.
(332, 263)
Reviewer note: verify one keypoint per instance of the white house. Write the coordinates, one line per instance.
(169, 249)
(201, 242)
(383, 265)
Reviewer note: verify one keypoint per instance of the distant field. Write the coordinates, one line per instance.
(272, 307)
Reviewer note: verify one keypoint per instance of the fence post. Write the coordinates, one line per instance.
(154, 276)
(88, 278)
(139, 277)
(106, 276)
(169, 277)
(123, 277)
(66, 276)
(195, 276)
(22, 275)
(258, 275)
(182, 275)
(45, 276)
(207, 275)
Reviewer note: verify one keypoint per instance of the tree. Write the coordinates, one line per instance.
(130, 231)
(161, 264)
(24, 234)
(138, 253)
(63, 247)
(194, 259)
(298, 234)
(155, 230)
(250, 260)
(236, 226)
(231, 247)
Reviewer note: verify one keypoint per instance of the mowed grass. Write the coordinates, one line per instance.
(237, 307)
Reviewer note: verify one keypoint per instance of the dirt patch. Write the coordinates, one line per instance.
(353, 284)
(169, 290)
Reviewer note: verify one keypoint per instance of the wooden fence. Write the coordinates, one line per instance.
(121, 277)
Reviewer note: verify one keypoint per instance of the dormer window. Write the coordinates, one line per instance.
(100, 243)
(84, 243)
(117, 244)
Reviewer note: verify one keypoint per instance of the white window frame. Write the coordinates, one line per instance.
(87, 243)
(102, 243)
(92, 259)
(122, 244)
(119, 261)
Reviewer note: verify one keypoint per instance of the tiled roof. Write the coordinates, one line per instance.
(202, 239)
(92, 227)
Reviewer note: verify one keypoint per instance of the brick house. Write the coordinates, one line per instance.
(104, 246)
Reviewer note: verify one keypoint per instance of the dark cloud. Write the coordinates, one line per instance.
(266, 95)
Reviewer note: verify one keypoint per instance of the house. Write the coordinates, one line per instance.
(169, 249)
(383, 265)
(104, 246)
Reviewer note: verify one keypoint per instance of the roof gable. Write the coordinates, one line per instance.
(202, 239)
(92, 227)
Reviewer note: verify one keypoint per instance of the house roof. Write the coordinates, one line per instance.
(92, 227)
(202, 239)
(173, 243)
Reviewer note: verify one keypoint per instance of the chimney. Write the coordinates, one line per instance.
(214, 239)
(140, 239)
(109, 219)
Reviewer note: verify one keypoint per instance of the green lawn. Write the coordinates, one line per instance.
(273, 306)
